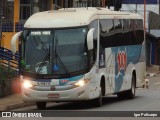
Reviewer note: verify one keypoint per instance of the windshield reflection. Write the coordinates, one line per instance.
(55, 51)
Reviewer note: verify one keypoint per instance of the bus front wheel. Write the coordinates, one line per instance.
(41, 105)
(98, 101)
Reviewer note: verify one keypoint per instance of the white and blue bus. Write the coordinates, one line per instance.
(81, 54)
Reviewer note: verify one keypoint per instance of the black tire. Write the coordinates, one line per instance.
(98, 101)
(121, 95)
(41, 105)
(129, 94)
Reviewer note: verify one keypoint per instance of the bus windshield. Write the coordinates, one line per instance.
(56, 52)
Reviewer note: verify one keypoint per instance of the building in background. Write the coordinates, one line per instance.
(153, 47)
(153, 39)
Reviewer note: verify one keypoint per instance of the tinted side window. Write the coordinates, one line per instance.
(133, 32)
(140, 30)
(119, 32)
(117, 24)
(126, 23)
(103, 27)
(110, 32)
(137, 33)
(140, 24)
(117, 38)
(126, 32)
(106, 32)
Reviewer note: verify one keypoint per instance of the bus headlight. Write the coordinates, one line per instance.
(81, 82)
(27, 84)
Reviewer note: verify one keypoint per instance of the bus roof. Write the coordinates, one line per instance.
(72, 17)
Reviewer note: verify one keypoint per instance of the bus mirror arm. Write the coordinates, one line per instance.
(90, 39)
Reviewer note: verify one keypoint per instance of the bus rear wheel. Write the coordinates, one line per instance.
(41, 105)
(129, 94)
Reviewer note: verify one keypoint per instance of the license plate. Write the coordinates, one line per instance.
(43, 83)
(53, 95)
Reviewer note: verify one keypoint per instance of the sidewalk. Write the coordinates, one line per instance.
(15, 101)
(12, 102)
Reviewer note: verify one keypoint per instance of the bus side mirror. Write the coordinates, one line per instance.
(13, 41)
(90, 39)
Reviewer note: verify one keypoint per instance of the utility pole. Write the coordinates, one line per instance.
(145, 27)
(145, 18)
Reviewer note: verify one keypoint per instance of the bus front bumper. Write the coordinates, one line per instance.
(85, 92)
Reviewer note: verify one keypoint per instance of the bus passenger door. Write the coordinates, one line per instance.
(110, 71)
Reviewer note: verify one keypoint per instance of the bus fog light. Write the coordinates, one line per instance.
(27, 84)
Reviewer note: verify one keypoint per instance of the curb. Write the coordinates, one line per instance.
(152, 74)
(17, 105)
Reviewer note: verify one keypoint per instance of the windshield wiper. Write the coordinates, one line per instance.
(60, 60)
(44, 61)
